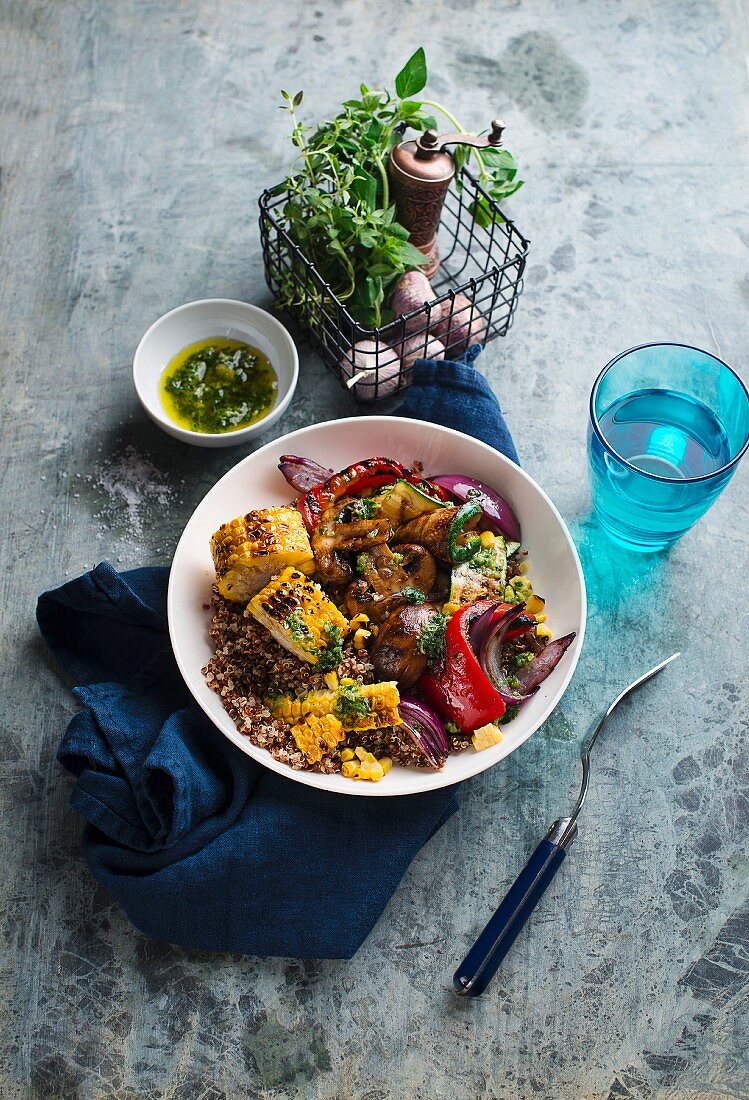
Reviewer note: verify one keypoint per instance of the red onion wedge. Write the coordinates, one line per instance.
(498, 514)
(426, 729)
(534, 674)
(480, 627)
(302, 474)
(490, 654)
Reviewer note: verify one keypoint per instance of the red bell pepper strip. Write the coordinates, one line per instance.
(371, 473)
(459, 690)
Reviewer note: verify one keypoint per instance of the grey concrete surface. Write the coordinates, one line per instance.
(135, 139)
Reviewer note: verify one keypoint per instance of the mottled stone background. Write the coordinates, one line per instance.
(135, 138)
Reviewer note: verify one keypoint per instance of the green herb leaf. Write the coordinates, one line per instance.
(413, 76)
(432, 638)
(413, 595)
(331, 657)
(350, 703)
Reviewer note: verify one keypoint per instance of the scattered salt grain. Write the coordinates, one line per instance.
(135, 488)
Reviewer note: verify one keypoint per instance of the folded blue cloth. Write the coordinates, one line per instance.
(199, 844)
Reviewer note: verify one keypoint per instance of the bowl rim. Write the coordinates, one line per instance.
(163, 419)
(439, 779)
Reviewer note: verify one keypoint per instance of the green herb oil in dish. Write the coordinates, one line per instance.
(218, 385)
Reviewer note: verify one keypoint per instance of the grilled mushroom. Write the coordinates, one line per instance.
(385, 576)
(396, 654)
(434, 530)
(342, 529)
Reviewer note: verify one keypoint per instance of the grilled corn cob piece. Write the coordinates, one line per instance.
(299, 615)
(356, 706)
(252, 549)
(315, 736)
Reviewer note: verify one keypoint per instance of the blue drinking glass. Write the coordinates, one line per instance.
(668, 427)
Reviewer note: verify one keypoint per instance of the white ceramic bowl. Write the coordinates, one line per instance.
(198, 321)
(256, 482)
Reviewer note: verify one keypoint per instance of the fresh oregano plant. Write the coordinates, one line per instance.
(339, 211)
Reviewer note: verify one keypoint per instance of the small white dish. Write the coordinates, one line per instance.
(256, 482)
(198, 321)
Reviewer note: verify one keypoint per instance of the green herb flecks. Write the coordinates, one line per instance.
(520, 660)
(489, 561)
(332, 656)
(362, 563)
(219, 385)
(340, 211)
(363, 508)
(351, 703)
(432, 638)
(296, 626)
(509, 714)
(413, 595)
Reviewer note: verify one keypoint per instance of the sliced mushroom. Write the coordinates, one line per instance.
(395, 654)
(339, 532)
(385, 575)
(432, 530)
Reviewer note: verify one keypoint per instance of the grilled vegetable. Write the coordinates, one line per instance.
(316, 736)
(369, 474)
(402, 501)
(388, 580)
(300, 616)
(483, 576)
(351, 525)
(441, 530)
(253, 548)
(356, 706)
(302, 474)
(459, 689)
(498, 515)
(396, 653)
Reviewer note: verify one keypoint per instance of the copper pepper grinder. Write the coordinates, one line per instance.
(420, 173)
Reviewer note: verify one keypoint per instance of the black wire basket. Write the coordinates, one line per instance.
(477, 285)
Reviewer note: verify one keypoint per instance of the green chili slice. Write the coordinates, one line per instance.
(463, 517)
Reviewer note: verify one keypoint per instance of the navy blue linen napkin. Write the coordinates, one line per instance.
(199, 844)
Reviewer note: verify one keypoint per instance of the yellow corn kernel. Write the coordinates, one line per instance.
(347, 754)
(541, 618)
(486, 736)
(523, 568)
(535, 605)
(359, 620)
(544, 632)
(367, 767)
(450, 608)
(488, 538)
(315, 736)
(331, 680)
(360, 638)
(518, 590)
(374, 630)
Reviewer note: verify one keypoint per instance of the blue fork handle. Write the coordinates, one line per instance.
(482, 961)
